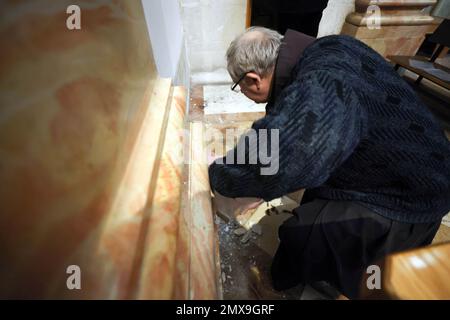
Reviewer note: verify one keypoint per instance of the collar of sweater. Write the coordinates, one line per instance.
(291, 50)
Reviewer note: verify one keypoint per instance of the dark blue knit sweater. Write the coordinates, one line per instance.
(350, 129)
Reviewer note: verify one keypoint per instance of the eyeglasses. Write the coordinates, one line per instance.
(233, 87)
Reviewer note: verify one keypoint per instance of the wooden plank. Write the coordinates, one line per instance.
(404, 62)
(248, 14)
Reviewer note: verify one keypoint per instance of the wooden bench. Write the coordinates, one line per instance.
(442, 38)
(418, 274)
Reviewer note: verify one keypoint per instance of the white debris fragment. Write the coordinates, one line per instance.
(224, 278)
(240, 231)
(257, 229)
(246, 237)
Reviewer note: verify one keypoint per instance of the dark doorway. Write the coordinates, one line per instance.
(301, 15)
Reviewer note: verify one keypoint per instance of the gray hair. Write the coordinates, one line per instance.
(256, 49)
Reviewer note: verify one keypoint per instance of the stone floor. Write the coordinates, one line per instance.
(246, 258)
(246, 271)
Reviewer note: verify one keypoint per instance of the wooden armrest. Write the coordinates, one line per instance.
(422, 274)
(404, 61)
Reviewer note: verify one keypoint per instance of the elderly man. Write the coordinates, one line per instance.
(374, 161)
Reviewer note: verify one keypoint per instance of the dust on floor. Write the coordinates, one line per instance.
(246, 251)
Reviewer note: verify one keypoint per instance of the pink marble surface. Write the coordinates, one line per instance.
(88, 161)
(71, 105)
(203, 270)
(156, 273)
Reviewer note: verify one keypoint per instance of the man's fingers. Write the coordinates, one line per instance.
(255, 205)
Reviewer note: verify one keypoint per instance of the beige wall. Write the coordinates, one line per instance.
(333, 17)
(210, 26)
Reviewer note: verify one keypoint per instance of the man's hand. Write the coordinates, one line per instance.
(233, 207)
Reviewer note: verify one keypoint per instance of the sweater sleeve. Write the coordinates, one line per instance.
(315, 126)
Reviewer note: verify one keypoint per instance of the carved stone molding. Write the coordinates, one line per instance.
(399, 28)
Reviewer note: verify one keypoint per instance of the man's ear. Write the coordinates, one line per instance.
(252, 78)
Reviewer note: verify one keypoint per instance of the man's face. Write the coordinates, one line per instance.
(256, 87)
